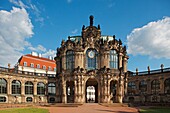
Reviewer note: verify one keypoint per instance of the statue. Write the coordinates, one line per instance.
(91, 20)
(98, 26)
(83, 27)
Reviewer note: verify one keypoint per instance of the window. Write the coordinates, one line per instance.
(2, 99)
(49, 68)
(131, 88)
(3, 86)
(51, 89)
(55, 69)
(91, 59)
(25, 63)
(41, 88)
(38, 66)
(29, 88)
(113, 59)
(143, 86)
(70, 60)
(167, 86)
(29, 99)
(155, 86)
(44, 67)
(52, 100)
(132, 85)
(16, 87)
(32, 65)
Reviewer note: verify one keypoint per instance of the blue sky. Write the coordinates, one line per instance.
(142, 25)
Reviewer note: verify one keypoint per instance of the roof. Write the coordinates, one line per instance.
(36, 60)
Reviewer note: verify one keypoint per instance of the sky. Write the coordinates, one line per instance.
(41, 25)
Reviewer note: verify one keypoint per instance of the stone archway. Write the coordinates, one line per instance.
(91, 91)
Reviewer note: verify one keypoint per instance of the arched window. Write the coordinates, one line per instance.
(51, 89)
(167, 86)
(155, 86)
(131, 88)
(41, 88)
(70, 60)
(29, 88)
(143, 86)
(16, 87)
(113, 59)
(91, 56)
(3, 86)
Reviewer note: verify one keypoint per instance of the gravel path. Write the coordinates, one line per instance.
(92, 108)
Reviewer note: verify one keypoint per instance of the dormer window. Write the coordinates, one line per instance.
(32, 65)
(49, 68)
(44, 67)
(38, 66)
(25, 63)
(55, 69)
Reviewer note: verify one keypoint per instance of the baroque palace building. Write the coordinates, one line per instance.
(91, 68)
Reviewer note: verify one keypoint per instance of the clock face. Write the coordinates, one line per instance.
(91, 54)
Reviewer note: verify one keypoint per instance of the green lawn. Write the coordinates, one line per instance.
(24, 110)
(155, 110)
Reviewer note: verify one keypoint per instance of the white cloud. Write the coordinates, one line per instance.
(19, 3)
(152, 39)
(39, 48)
(74, 31)
(16, 27)
(28, 5)
(49, 53)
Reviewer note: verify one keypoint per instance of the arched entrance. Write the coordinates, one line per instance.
(113, 90)
(91, 91)
(70, 91)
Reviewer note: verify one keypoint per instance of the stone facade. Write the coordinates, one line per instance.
(13, 87)
(91, 60)
(152, 86)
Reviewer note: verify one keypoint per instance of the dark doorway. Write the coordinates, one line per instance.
(113, 90)
(91, 91)
(70, 91)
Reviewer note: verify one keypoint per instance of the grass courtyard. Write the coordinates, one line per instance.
(155, 110)
(24, 110)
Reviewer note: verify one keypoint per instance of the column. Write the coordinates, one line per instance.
(82, 90)
(35, 91)
(63, 61)
(137, 86)
(75, 91)
(148, 86)
(9, 90)
(162, 85)
(108, 91)
(64, 95)
(23, 91)
(120, 91)
(79, 89)
(120, 60)
(125, 64)
(105, 59)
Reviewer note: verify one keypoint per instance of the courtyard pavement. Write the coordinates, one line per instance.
(92, 108)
